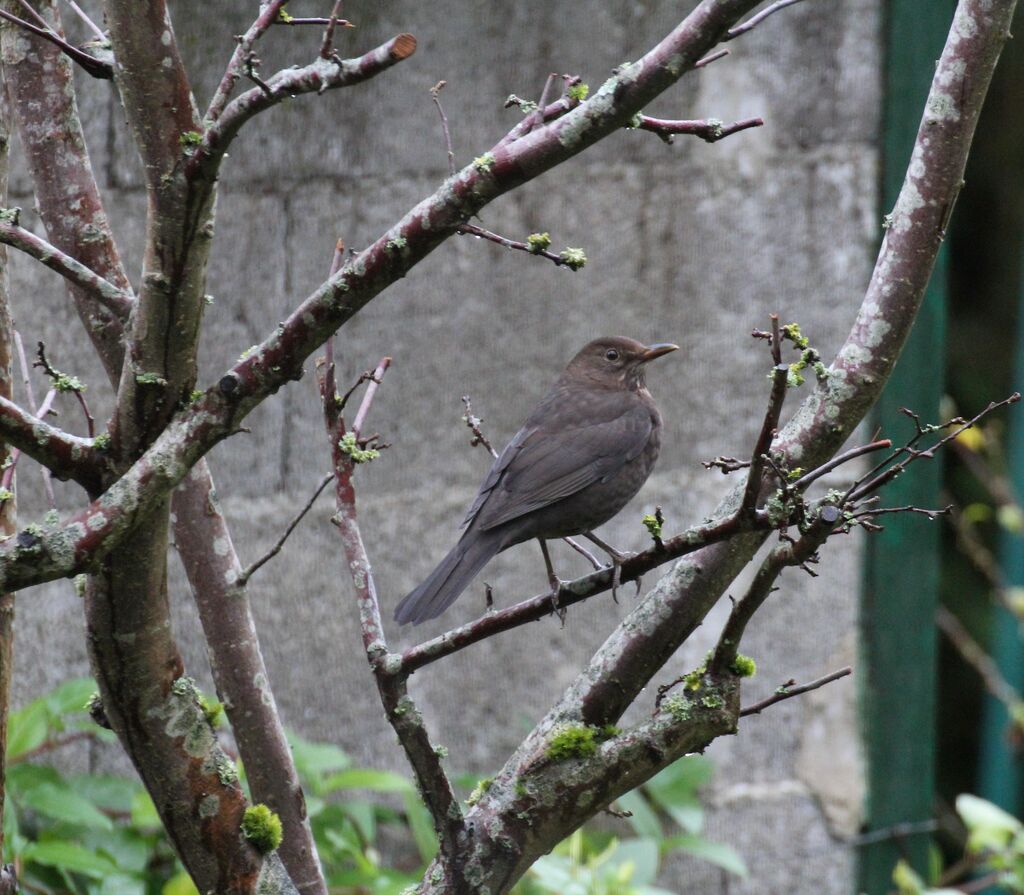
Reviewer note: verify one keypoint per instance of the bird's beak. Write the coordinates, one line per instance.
(657, 350)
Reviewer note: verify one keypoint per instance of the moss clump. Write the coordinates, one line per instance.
(712, 701)
(653, 525)
(743, 666)
(538, 242)
(348, 445)
(572, 258)
(150, 379)
(579, 92)
(262, 827)
(484, 162)
(102, 442)
(10, 215)
(678, 706)
(574, 741)
(6, 495)
(479, 791)
(190, 138)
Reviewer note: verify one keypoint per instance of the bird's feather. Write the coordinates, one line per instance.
(539, 468)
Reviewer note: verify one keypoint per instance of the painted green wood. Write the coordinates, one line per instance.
(1000, 776)
(897, 671)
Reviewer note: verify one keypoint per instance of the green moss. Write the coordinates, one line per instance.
(6, 495)
(609, 732)
(102, 442)
(479, 791)
(190, 138)
(484, 162)
(538, 242)
(579, 92)
(213, 710)
(573, 741)
(396, 244)
(573, 258)
(678, 706)
(712, 701)
(743, 666)
(441, 751)
(262, 827)
(66, 383)
(150, 379)
(10, 215)
(653, 525)
(349, 446)
(522, 790)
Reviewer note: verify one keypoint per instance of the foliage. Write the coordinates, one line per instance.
(994, 852)
(100, 835)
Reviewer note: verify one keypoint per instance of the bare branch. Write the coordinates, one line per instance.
(710, 130)
(244, 576)
(756, 20)
(110, 296)
(66, 456)
(321, 75)
(435, 95)
(562, 260)
(788, 691)
(98, 68)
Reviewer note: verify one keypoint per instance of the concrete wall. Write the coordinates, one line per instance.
(690, 243)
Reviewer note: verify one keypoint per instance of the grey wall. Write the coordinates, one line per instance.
(690, 243)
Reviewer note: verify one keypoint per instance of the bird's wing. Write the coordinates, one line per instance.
(541, 466)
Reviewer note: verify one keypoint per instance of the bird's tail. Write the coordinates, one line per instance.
(451, 577)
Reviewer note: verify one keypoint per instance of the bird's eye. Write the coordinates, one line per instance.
(611, 354)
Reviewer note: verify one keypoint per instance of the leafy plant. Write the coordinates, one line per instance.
(100, 835)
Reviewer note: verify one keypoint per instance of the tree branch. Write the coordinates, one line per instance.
(710, 130)
(66, 456)
(208, 554)
(118, 301)
(401, 711)
(98, 68)
(318, 76)
(788, 691)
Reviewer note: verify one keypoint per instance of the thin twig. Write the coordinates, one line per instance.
(312, 20)
(23, 360)
(711, 57)
(89, 23)
(435, 95)
(473, 424)
(245, 575)
(839, 460)
(780, 375)
(710, 130)
(368, 396)
(64, 383)
(481, 233)
(328, 41)
(975, 656)
(756, 20)
(788, 691)
(95, 67)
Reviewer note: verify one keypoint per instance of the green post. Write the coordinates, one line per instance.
(897, 670)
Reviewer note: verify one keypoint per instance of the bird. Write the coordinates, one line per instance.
(579, 458)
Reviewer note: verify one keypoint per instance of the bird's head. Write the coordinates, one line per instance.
(616, 362)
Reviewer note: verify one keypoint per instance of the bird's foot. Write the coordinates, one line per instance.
(556, 607)
(583, 551)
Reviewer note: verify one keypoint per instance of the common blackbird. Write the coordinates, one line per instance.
(578, 459)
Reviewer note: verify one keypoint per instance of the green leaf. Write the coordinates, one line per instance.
(68, 857)
(121, 884)
(179, 884)
(144, 813)
(27, 729)
(717, 853)
(642, 854)
(106, 792)
(906, 880)
(988, 826)
(422, 826)
(367, 778)
(644, 820)
(313, 760)
(60, 802)
(71, 696)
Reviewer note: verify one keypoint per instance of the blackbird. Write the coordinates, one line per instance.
(579, 458)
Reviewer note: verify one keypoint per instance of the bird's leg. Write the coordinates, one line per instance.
(618, 557)
(554, 582)
(583, 551)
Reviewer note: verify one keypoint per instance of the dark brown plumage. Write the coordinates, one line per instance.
(578, 459)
